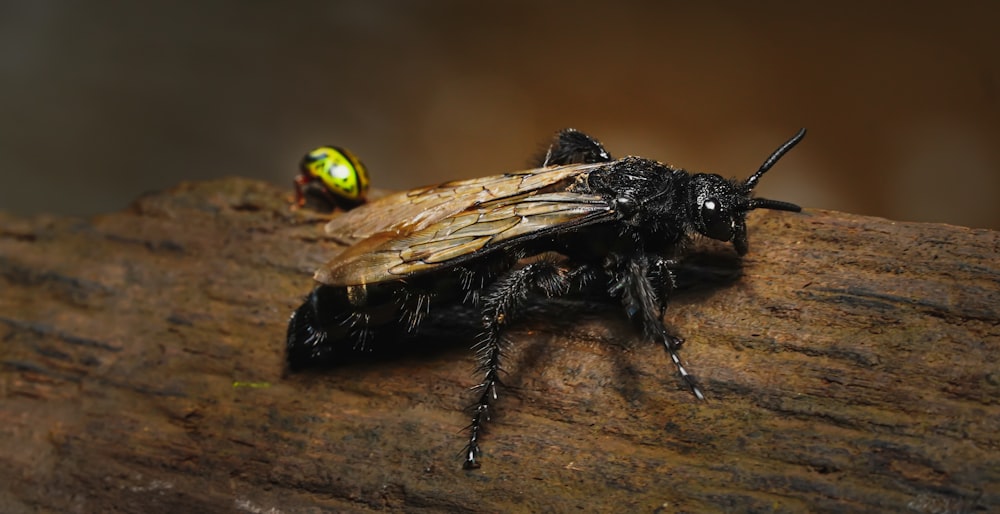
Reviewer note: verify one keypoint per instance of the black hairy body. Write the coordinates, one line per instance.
(580, 221)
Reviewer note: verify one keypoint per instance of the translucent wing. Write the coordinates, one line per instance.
(431, 242)
(411, 211)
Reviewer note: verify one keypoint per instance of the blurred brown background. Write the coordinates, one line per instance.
(103, 100)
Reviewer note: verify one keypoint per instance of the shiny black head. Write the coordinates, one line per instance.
(720, 206)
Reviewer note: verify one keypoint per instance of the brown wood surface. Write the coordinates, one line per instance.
(852, 368)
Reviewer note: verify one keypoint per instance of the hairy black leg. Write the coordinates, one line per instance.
(574, 147)
(305, 338)
(331, 319)
(474, 281)
(661, 277)
(414, 306)
(313, 328)
(644, 283)
(501, 304)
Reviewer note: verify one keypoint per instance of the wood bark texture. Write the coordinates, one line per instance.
(851, 368)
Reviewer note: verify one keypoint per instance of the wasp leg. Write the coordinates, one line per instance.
(574, 147)
(501, 304)
(414, 306)
(305, 339)
(474, 281)
(644, 284)
(327, 322)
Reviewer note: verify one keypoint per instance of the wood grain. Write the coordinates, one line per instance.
(852, 368)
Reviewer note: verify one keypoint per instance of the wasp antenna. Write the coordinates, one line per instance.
(782, 150)
(777, 205)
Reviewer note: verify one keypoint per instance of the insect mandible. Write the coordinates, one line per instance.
(581, 218)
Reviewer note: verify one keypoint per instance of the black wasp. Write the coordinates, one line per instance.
(580, 219)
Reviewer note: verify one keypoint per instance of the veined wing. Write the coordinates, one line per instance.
(453, 239)
(411, 211)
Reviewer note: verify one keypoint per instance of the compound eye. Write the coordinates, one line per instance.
(718, 224)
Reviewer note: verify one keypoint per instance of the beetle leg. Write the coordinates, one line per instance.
(300, 197)
(644, 284)
(501, 304)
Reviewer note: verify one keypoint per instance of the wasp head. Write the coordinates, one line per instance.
(721, 205)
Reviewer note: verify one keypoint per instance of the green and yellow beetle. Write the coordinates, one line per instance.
(333, 174)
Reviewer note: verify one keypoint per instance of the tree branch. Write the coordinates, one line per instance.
(852, 367)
